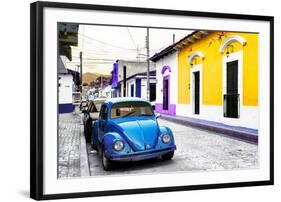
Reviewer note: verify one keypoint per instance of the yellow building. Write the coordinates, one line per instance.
(217, 77)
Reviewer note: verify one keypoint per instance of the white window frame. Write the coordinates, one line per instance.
(195, 54)
(231, 39)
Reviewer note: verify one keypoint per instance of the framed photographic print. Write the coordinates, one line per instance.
(135, 100)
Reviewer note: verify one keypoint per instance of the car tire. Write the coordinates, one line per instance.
(88, 133)
(88, 136)
(168, 156)
(106, 163)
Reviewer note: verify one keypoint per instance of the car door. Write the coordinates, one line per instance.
(102, 122)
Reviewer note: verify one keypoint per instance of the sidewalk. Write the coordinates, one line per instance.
(72, 154)
(243, 133)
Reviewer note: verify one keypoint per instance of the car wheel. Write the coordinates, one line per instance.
(88, 136)
(168, 156)
(88, 133)
(106, 163)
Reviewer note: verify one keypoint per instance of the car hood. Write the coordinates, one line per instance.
(141, 133)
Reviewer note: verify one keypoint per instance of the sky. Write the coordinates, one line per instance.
(101, 46)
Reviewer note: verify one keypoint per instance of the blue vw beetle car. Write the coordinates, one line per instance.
(127, 130)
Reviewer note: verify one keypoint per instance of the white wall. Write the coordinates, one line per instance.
(65, 89)
(132, 68)
(106, 92)
(249, 116)
(143, 86)
(172, 61)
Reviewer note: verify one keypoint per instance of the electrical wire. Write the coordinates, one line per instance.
(105, 43)
(132, 38)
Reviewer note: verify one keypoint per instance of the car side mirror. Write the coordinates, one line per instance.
(84, 111)
(158, 115)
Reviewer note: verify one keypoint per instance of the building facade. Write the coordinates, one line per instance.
(65, 88)
(105, 91)
(137, 86)
(129, 79)
(68, 81)
(216, 77)
(166, 87)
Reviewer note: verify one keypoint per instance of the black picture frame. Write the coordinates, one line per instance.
(36, 98)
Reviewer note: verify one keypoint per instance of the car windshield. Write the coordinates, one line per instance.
(125, 109)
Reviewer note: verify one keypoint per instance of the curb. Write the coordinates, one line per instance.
(84, 164)
(225, 131)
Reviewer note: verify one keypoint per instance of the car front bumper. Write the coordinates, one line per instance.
(142, 155)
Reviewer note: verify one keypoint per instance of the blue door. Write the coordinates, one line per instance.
(132, 90)
(138, 87)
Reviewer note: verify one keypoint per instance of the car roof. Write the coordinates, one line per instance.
(124, 99)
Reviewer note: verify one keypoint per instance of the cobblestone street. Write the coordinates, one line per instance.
(197, 150)
(70, 130)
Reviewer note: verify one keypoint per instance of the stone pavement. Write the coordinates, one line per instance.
(197, 150)
(201, 150)
(71, 150)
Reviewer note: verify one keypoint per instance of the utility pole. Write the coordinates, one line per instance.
(147, 58)
(124, 80)
(81, 70)
(75, 76)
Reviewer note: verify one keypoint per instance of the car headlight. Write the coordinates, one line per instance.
(166, 138)
(118, 145)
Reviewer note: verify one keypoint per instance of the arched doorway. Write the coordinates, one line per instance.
(166, 86)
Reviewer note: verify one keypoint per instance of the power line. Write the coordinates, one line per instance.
(92, 43)
(74, 63)
(105, 42)
(93, 52)
(85, 58)
(132, 38)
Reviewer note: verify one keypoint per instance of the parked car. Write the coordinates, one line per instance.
(127, 130)
(83, 105)
(91, 113)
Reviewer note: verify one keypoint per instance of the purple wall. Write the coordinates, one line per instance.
(115, 75)
(171, 110)
(171, 107)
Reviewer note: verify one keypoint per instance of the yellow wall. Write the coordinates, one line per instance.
(212, 68)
